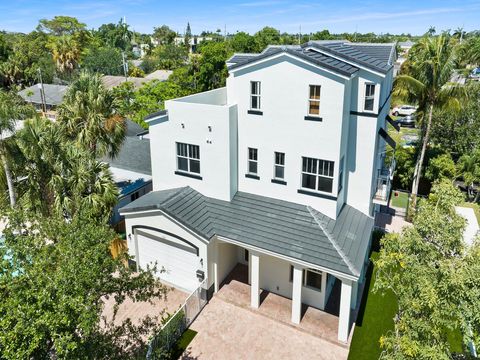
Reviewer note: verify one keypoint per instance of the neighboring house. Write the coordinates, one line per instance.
(112, 81)
(405, 47)
(193, 42)
(282, 170)
(131, 170)
(49, 95)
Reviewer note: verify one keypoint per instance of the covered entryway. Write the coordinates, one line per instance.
(175, 255)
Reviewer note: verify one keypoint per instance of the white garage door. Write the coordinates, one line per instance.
(180, 260)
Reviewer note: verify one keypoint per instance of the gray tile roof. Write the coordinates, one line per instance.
(134, 156)
(133, 129)
(53, 94)
(286, 228)
(378, 57)
(313, 57)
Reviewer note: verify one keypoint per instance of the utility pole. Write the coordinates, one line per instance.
(42, 91)
(125, 66)
(300, 36)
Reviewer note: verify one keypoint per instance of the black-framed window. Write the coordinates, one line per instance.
(317, 174)
(252, 161)
(314, 100)
(310, 278)
(369, 97)
(279, 166)
(188, 158)
(340, 174)
(255, 95)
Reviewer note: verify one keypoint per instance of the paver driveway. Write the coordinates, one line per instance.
(226, 331)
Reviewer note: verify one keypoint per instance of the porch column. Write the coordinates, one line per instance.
(354, 295)
(216, 285)
(255, 279)
(297, 294)
(344, 317)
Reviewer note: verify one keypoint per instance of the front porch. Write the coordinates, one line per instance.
(323, 324)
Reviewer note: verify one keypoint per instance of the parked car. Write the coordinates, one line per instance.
(404, 110)
(475, 74)
(407, 121)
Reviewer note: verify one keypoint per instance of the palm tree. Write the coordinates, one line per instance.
(468, 167)
(430, 66)
(12, 110)
(66, 53)
(59, 176)
(89, 112)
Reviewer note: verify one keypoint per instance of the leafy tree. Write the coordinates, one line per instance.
(54, 289)
(104, 60)
(188, 36)
(243, 42)
(424, 268)
(164, 35)
(170, 56)
(322, 35)
(115, 35)
(4, 48)
(440, 167)
(266, 36)
(135, 72)
(405, 158)
(431, 63)
(61, 25)
(89, 112)
(455, 131)
(212, 69)
(12, 109)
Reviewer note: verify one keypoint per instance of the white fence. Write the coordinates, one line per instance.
(172, 330)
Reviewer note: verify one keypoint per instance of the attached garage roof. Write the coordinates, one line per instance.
(282, 227)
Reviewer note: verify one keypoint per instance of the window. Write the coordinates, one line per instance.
(317, 174)
(188, 158)
(252, 161)
(255, 94)
(313, 279)
(310, 278)
(369, 96)
(245, 255)
(279, 167)
(314, 100)
(134, 196)
(340, 175)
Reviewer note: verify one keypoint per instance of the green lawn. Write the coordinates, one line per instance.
(375, 318)
(400, 201)
(475, 207)
(182, 344)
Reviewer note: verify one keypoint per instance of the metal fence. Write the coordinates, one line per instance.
(162, 342)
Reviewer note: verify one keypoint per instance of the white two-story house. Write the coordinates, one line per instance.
(280, 170)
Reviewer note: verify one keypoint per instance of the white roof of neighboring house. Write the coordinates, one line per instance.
(53, 94)
(472, 229)
(18, 126)
(111, 81)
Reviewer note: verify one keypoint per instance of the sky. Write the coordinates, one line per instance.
(397, 17)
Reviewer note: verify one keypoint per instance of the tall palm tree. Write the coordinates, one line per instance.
(66, 53)
(13, 109)
(89, 112)
(430, 66)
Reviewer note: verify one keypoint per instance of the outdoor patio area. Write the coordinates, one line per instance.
(136, 311)
(322, 324)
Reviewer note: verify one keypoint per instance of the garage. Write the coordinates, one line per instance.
(175, 254)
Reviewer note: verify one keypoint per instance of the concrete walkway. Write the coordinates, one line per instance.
(227, 331)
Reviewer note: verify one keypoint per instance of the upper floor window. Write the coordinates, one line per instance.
(317, 174)
(252, 161)
(255, 95)
(188, 158)
(279, 167)
(314, 100)
(340, 174)
(369, 97)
